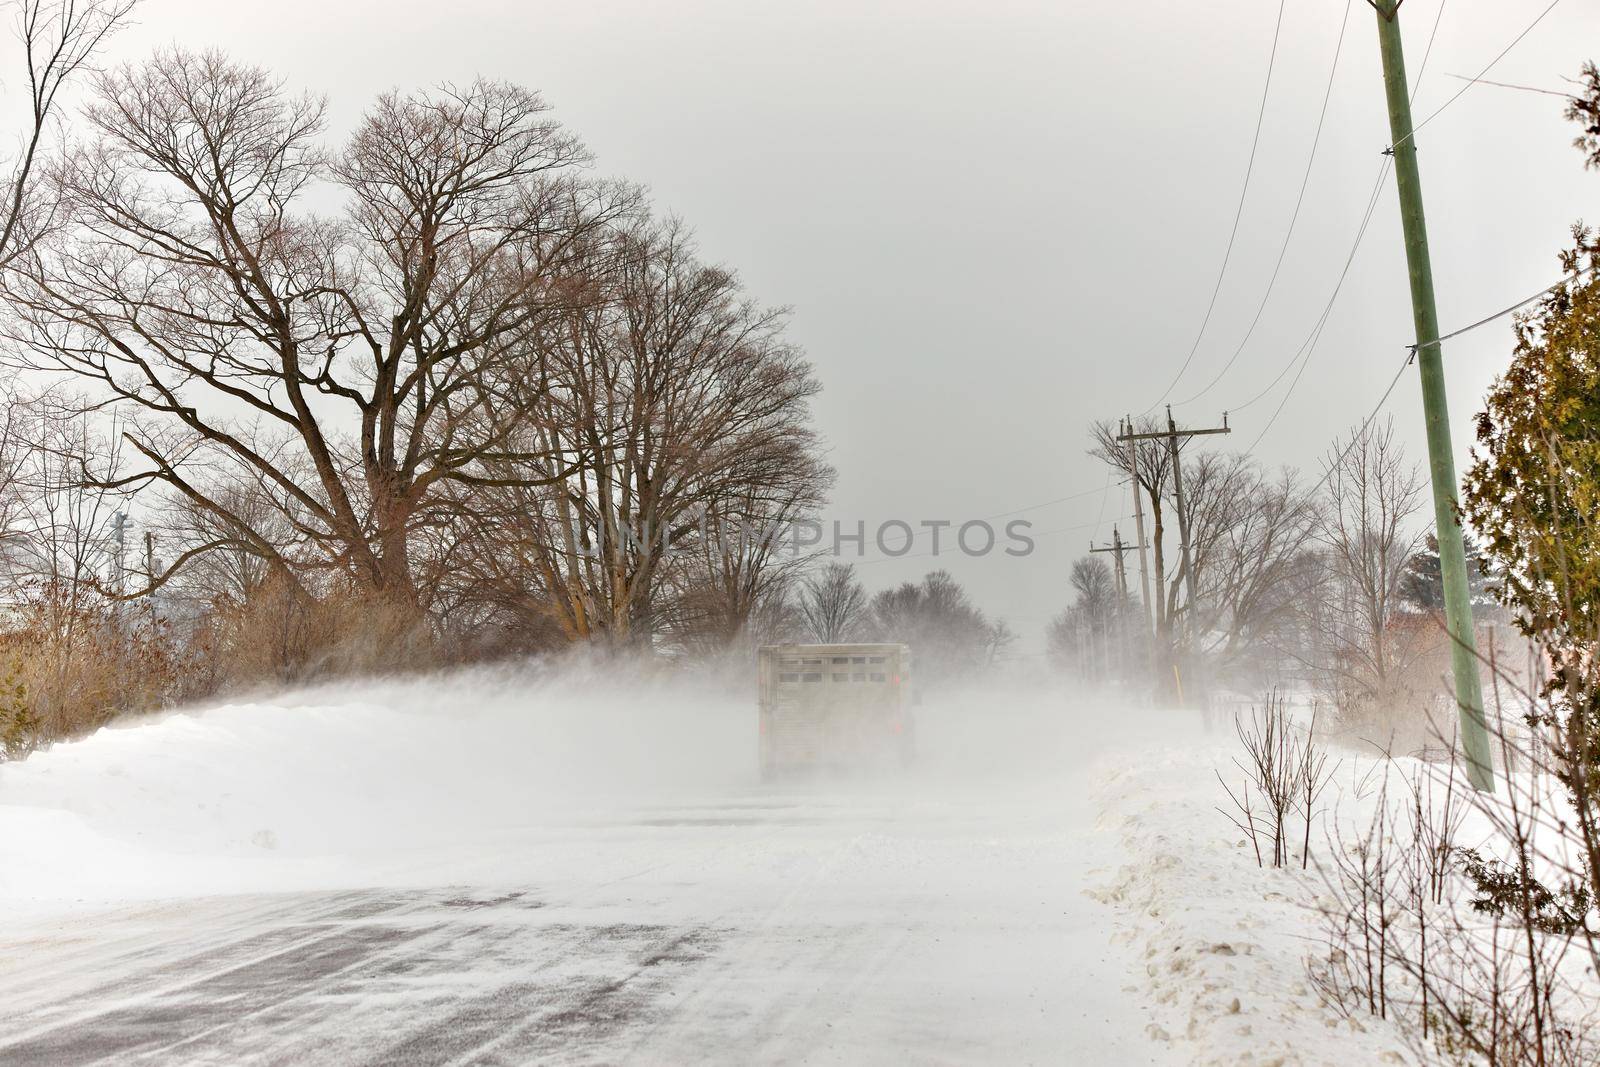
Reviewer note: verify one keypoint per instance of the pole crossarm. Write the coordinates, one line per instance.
(1171, 432)
(1164, 434)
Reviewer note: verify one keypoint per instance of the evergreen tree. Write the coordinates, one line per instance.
(1422, 585)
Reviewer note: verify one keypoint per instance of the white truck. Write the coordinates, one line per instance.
(834, 708)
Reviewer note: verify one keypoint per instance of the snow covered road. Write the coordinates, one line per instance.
(941, 918)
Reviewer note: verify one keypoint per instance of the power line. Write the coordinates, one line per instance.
(1407, 362)
(1309, 346)
(1491, 65)
(1042, 504)
(1104, 497)
(1509, 85)
(1233, 234)
(1040, 533)
(1080, 526)
(1412, 348)
(1411, 351)
(1486, 320)
(1357, 436)
(914, 534)
(1294, 218)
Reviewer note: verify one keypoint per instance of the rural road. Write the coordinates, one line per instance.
(756, 928)
(909, 921)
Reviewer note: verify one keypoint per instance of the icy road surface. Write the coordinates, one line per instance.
(491, 879)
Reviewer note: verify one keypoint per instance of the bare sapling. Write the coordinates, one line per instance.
(1284, 774)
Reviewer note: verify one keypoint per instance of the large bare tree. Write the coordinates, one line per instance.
(730, 575)
(340, 364)
(1247, 530)
(948, 634)
(681, 414)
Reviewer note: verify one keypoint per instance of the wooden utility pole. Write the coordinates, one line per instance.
(1436, 414)
(1119, 546)
(1183, 510)
(1171, 436)
(150, 572)
(119, 560)
(1138, 529)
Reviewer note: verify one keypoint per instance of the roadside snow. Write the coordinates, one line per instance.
(1052, 880)
(1223, 942)
(493, 869)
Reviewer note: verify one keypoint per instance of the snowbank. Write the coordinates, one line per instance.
(1224, 942)
(379, 784)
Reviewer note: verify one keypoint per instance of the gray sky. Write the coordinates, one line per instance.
(999, 221)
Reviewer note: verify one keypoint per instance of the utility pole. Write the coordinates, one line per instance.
(1171, 436)
(150, 572)
(119, 527)
(1183, 510)
(1441, 463)
(1119, 546)
(1138, 527)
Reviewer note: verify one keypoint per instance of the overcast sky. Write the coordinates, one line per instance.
(999, 221)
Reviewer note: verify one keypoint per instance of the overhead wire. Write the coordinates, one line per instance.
(1309, 346)
(1294, 218)
(1233, 234)
(1104, 496)
(1040, 533)
(1411, 351)
(1317, 331)
(1472, 81)
(1502, 313)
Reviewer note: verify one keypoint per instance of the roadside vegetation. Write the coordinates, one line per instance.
(1468, 919)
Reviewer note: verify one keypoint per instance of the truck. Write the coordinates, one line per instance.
(834, 708)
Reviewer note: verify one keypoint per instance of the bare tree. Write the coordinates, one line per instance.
(1088, 635)
(1094, 589)
(1369, 533)
(71, 656)
(733, 570)
(834, 603)
(15, 444)
(343, 366)
(681, 411)
(1249, 532)
(948, 634)
(60, 531)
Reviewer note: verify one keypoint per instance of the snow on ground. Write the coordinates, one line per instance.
(493, 868)
(488, 869)
(1222, 943)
